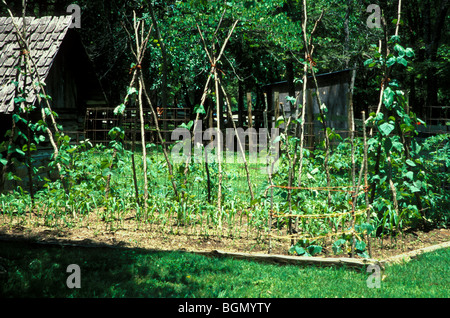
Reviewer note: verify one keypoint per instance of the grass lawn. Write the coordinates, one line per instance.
(40, 271)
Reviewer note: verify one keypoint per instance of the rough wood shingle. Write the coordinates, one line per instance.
(44, 35)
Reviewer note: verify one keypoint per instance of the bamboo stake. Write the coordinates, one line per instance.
(309, 49)
(219, 141)
(366, 194)
(133, 161)
(144, 148)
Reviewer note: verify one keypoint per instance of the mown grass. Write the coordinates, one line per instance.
(40, 271)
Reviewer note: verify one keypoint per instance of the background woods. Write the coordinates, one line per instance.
(265, 47)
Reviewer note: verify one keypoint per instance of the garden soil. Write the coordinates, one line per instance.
(128, 233)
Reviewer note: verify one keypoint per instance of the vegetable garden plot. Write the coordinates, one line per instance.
(311, 228)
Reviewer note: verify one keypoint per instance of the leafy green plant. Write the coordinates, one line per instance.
(305, 248)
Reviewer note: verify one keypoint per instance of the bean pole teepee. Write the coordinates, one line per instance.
(218, 87)
(141, 42)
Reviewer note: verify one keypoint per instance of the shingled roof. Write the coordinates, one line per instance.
(44, 35)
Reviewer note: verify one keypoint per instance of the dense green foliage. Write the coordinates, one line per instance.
(268, 37)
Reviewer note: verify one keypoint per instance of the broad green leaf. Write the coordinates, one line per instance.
(388, 96)
(368, 62)
(411, 163)
(360, 246)
(414, 189)
(298, 250)
(365, 228)
(119, 109)
(386, 129)
(402, 61)
(397, 146)
(70, 150)
(199, 109)
(187, 126)
(314, 249)
(409, 52)
(391, 61)
(410, 175)
(400, 50)
(132, 90)
(292, 100)
(363, 254)
(280, 120)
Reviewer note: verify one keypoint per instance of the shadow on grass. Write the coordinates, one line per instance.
(30, 269)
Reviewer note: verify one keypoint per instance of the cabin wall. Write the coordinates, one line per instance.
(333, 90)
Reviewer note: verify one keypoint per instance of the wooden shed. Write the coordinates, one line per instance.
(62, 63)
(334, 93)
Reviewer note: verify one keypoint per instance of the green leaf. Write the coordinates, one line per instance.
(337, 246)
(280, 120)
(409, 52)
(19, 100)
(388, 96)
(187, 126)
(292, 100)
(199, 109)
(400, 50)
(409, 175)
(397, 146)
(391, 61)
(368, 62)
(365, 228)
(297, 250)
(119, 109)
(363, 254)
(71, 149)
(132, 90)
(20, 152)
(402, 61)
(116, 132)
(314, 249)
(411, 163)
(414, 189)
(360, 246)
(386, 129)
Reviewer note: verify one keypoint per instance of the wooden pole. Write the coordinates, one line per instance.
(219, 141)
(249, 108)
(144, 148)
(133, 161)
(366, 193)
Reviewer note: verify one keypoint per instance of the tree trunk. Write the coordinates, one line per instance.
(164, 71)
(241, 105)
